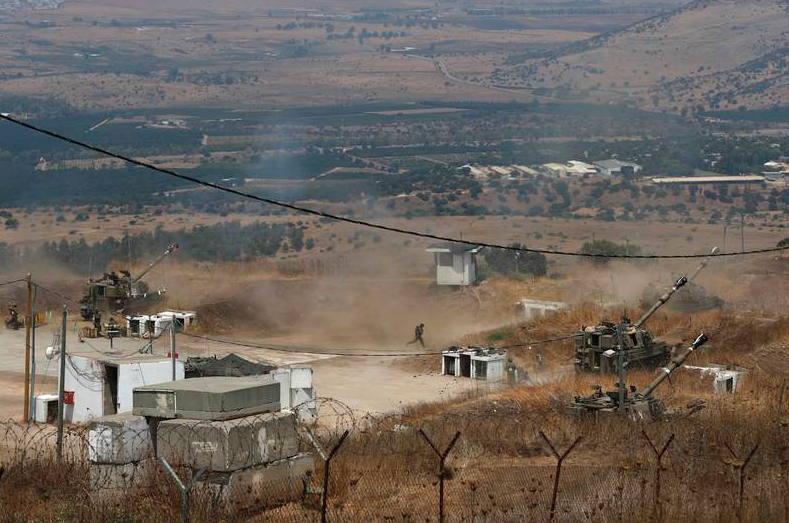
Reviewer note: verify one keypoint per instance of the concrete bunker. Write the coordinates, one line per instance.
(488, 364)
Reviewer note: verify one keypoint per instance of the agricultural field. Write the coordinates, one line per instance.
(290, 171)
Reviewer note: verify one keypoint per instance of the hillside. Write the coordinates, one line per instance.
(710, 54)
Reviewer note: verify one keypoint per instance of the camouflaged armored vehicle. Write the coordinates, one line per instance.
(596, 347)
(623, 400)
(113, 293)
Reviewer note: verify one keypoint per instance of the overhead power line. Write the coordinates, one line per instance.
(332, 352)
(363, 223)
(56, 293)
(11, 282)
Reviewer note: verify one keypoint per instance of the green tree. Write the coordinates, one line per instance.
(608, 248)
(504, 261)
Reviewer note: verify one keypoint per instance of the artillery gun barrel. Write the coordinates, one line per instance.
(703, 264)
(676, 362)
(153, 264)
(663, 299)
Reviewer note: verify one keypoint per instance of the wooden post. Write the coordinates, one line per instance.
(26, 407)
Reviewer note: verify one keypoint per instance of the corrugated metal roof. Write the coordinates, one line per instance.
(710, 179)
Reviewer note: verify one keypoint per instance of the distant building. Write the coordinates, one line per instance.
(522, 169)
(573, 168)
(776, 167)
(750, 179)
(615, 167)
(510, 171)
(478, 172)
(581, 168)
(456, 263)
(554, 169)
(503, 171)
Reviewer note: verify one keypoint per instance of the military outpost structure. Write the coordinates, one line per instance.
(475, 362)
(230, 431)
(456, 264)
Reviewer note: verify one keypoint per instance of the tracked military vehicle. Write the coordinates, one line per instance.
(114, 293)
(595, 347)
(636, 405)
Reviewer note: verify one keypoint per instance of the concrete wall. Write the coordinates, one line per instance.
(533, 309)
(462, 271)
(296, 390)
(85, 377)
(494, 367)
(139, 374)
(450, 364)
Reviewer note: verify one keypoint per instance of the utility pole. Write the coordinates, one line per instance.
(620, 366)
(62, 383)
(724, 237)
(742, 232)
(172, 344)
(29, 281)
(32, 397)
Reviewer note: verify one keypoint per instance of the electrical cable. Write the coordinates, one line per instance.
(329, 352)
(11, 282)
(363, 223)
(56, 293)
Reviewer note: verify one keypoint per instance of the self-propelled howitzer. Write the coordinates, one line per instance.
(637, 405)
(113, 293)
(594, 346)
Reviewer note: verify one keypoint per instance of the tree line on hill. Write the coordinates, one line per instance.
(213, 243)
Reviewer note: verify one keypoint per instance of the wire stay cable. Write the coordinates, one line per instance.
(331, 352)
(56, 293)
(363, 223)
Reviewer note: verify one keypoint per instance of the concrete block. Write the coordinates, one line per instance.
(109, 478)
(46, 408)
(301, 377)
(213, 398)
(119, 439)
(228, 445)
(270, 484)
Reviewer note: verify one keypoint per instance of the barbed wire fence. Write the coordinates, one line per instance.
(271, 467)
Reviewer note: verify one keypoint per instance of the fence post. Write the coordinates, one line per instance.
(185, 490)
(559, 460)
(656, 512)
(326, 464)
(442, 456)
(740, 464)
